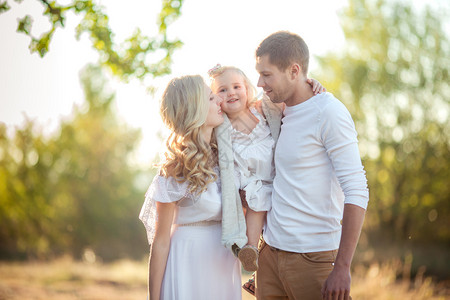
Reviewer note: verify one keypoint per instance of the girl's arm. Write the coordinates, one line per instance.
(160, 248)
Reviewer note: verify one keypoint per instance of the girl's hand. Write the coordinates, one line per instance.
(317, 88)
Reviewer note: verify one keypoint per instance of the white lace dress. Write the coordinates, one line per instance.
(254, 165)
(198, 266)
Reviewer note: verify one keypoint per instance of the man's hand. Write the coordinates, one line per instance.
(337, 285)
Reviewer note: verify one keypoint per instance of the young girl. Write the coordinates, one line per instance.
(182, 209)
(253, 147)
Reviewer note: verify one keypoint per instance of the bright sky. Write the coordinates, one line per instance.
(213, 31)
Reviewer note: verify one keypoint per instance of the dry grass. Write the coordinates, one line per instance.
(381, 282)
(64, 279)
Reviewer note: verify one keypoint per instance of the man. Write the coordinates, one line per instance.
(320, 183)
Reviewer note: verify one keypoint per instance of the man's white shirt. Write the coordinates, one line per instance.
(318, 170)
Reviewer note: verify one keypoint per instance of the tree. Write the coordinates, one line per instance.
(26, 190)
(394, 77)
(76, 189)
(127, 60)
(98, 179)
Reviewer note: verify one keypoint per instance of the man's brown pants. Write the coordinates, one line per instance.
(290, 275)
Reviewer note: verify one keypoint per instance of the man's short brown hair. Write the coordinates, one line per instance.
(283, 49)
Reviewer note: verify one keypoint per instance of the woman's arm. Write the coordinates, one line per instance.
(160, 248)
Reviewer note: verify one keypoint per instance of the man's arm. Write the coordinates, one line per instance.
(337, 286)
(340, 140)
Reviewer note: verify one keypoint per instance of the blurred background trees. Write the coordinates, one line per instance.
(394, 78)
(76, 190)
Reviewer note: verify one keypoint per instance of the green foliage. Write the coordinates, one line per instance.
(25, 212)
(4, 6)
(127, 60)
(74, 190)
(394, 78)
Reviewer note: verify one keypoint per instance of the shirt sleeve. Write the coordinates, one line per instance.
(164, 190)
(339, 138)
(258, 194)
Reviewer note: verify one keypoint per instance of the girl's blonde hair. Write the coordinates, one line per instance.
(188, 157)
(219, 70)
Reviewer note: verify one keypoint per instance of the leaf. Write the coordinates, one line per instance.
(25, 24)
(130, 59)
(4, 7)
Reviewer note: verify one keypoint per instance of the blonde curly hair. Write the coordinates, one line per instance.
(188, 157)
(218, 70)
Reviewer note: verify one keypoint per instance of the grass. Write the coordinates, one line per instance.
(65, 279)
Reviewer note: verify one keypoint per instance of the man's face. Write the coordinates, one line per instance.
(274, 82)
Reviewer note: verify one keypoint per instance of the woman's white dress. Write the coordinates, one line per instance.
(254, 165)
(198, 266)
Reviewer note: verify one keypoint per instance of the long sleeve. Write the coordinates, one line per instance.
(339, 136)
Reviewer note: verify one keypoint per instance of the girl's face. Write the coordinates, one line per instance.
(214, 117)
(230, 86)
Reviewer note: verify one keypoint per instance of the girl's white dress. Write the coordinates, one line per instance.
(254, 165)
(198, 266)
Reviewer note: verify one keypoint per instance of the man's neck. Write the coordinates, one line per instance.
(302, 93)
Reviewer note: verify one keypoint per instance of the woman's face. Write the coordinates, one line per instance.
(214, 117)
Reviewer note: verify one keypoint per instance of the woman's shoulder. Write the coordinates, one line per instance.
(167, 189)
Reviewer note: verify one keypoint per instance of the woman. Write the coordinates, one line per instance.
(182, 209)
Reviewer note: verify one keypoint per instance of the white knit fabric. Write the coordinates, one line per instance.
(233, 220)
